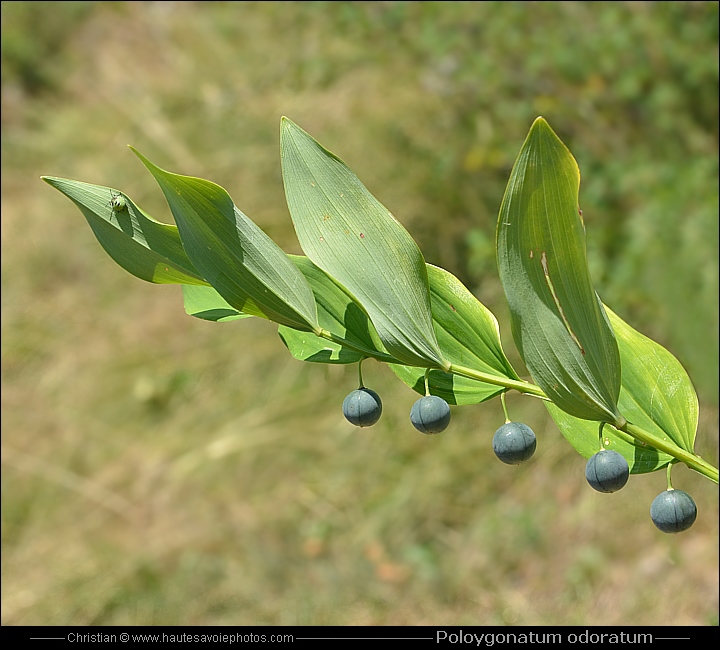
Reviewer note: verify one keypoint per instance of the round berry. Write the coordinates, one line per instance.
(362, 407)
(607, 471)
(673, 511)
(514, 443)
(430, 414)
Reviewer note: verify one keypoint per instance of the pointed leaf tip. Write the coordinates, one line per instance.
(351, 236)
(148, 249)
(558, 323)
(245, 267)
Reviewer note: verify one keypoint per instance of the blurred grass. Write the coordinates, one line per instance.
(159, 469)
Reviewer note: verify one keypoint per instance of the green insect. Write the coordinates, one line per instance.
(117, 202)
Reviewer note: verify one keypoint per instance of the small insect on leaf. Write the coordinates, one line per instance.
(117, 202)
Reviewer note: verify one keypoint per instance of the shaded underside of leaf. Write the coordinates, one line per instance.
(351, 236)
(149, 249)
(305, 346)
(235, 256)
(452, 388)
(468, 335)
(467, 330)
(583, 436)
(207, 304)
(558, 322)
(337, 313)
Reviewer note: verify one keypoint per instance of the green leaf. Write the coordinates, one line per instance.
(235, 256)
(148, 249)
(656, 394)
(558, 322)
(468, 335)
(305, 346)
(337, 313)
(346, 232)
(207, 304)
(658, 390)
(454, 389)
(583, 436)
(467, 331)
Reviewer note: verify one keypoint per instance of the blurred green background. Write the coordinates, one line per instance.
(158, 469)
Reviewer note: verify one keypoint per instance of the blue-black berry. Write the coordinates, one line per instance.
(430, 414)
(514, 443)
(362, 407)
(673, 511)
(607, 471)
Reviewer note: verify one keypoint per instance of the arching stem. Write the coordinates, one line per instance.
(360, 377)
(669, 475)
(600, 438)
(502, 400)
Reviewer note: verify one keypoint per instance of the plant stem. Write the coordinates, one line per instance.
(663, 444)
(636, 432)
(380, 356)
(600, 438)
(502, 400)
(360, 379)
(519, 385)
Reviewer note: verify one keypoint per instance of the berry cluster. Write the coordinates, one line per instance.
(607, 471)
(672, 511)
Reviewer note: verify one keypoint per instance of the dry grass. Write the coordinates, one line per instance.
(162, 470)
